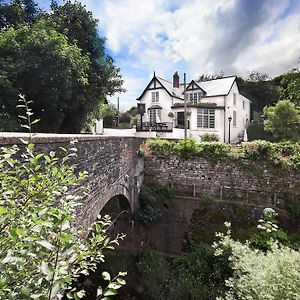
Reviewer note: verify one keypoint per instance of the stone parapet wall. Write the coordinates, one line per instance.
(228, 180)
(112, 163)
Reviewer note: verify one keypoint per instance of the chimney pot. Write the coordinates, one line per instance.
(176, 80)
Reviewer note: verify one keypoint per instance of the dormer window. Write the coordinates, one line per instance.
(155, 97)
(195, 98)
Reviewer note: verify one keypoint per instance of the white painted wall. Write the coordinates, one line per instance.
(242, 114)
(165, 101)
(221, 116)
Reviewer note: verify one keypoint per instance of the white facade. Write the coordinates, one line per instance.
(210, 105)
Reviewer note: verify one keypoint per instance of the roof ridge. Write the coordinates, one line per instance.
(224, 77)
(164, 79)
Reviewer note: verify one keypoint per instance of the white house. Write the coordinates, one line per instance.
(212, 106)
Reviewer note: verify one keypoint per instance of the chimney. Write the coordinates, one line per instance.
(176, 80)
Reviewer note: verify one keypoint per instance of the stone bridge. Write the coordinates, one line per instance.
(114, 167)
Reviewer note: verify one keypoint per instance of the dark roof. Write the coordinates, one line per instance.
(155, 106)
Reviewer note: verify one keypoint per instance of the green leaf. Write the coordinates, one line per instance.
(99, 291)
(46, 244)
(106, 276)
(3, 210)
(121, 281)
(110, 292)
(35, 121)
(30, 147)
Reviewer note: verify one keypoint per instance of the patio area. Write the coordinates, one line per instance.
(157, 126)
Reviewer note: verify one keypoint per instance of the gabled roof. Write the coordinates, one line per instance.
(217, 87)
(214, 87)
(197, 83)
(167, 85)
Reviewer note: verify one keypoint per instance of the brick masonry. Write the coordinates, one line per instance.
(112, 163)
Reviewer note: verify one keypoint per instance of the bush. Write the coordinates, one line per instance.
(41, 252)
(162, 146)
(186, 148)
(284, 154)
(213, 150)
(148, 212)
(209, 137)
(273, 275)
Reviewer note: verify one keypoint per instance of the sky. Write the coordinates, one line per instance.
(196, 37)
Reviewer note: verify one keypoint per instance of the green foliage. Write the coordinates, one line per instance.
(274, 274)
(268, 231)
(57, 60)
(186, 148)
(155, 271)
(30, 58)
(283, 121)
(195, 274)
(259, 90)
(209, 137)
(41, 250)
(149, 211)
(161, 146)
(283, 155)
(256, 131)
(213, 150)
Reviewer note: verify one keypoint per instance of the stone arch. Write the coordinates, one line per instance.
(95, 206)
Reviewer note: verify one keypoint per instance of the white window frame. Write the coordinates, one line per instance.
(234, 98)
(155, 97)
(244, 104)
(153, 113)
(206, 118)
(234, 118)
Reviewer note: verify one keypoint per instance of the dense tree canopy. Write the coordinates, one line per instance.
(283, 120)
(58, 61)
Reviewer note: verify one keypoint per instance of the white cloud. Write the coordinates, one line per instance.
(198, 36)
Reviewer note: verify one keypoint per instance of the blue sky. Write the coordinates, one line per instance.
(196, 37)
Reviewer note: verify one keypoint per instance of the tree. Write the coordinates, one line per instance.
(17, 13)
(283, 121)
(259, 90)
(57, 60)
(39, 62)
(41, 251)
(104, 79)
(292, 91)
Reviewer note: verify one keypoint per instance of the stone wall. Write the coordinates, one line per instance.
(225, 180)
(112, 163)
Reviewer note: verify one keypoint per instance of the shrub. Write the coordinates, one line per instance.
(213, 150)
(209, 137)
(41, 251)
(186, 148)
(274, 274)
(161, 146)
(148, 212)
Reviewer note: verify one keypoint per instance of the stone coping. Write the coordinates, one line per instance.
(12, 138)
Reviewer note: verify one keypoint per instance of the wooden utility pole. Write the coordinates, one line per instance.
(185, 116)
(118, 111)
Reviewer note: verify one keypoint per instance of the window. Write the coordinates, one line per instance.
(155, 96)
(180, 119)
(243, 104)
(205, 118)
(153, 114)
(234, 118)
(234, 99)
(195, 98)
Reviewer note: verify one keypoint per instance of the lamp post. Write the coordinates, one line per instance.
(229, 121)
